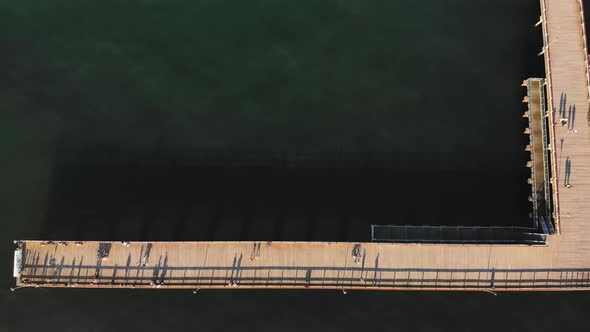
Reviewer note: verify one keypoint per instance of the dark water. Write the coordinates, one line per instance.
(348, 113)
(399, 106)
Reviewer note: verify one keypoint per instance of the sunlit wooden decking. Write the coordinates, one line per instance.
(297, 264)
(563, 264)
(565, 54)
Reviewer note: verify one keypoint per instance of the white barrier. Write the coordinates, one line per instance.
(18, 263)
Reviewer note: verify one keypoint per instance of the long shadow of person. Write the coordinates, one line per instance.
(164, 268)
(568, 170)
(127, 267)
(562, 102)
(376, 269)
(571, 116)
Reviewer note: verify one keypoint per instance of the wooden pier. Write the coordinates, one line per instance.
(562, 264)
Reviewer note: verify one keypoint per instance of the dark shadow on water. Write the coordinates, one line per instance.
(357, 84)
(147, 199)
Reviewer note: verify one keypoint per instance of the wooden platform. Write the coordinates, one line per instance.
(298, 264)
(564, 264)
(567, 77)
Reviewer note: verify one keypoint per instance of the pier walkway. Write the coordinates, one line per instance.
(566, 63)
(562, 264)
(326, 265)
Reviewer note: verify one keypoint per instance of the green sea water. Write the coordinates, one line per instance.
(425, 76)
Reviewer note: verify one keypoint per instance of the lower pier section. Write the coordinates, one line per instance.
(246, 265)
(538, 131)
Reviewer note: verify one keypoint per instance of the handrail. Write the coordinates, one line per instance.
(554, 160)
(533, 153)
(319, 277)
(547, 175)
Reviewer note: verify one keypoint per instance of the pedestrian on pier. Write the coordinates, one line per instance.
(356, 254)
(563, 121)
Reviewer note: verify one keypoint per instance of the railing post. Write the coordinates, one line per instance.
(492, 283)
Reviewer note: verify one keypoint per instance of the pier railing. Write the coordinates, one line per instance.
(540, 149)
(359, 276)
(551, 115)
(534, 151)
(546, 156)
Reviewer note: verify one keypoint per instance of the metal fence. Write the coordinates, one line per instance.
(457, 234)
(551, 115)
(316, 277)
(546, 156)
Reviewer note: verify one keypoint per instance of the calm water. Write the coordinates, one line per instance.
(349, 113)
(397, 107)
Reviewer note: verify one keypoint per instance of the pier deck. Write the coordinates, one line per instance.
(300, 264)
(566, 57)
(564, 263)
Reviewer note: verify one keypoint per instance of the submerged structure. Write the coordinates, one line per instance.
(552, 254)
